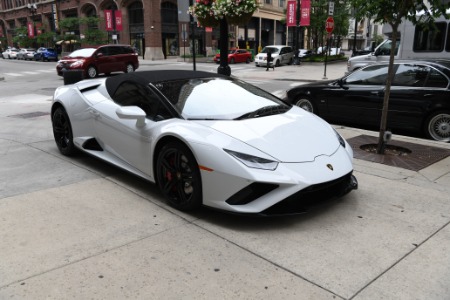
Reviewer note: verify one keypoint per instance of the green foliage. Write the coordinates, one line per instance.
(69, 24)
(95, 37)
(21, 37)
(47, 39)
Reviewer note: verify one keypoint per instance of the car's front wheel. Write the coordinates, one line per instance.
(62, 132)
(306, 104)
(178, 176)
(437, 126)
(129, 68)
(92, 72)
(277, 63)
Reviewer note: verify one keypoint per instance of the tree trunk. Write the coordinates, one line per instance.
(387, 91)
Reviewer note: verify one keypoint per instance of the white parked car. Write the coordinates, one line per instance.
(205, 139)
(280, 55)
(10, 53)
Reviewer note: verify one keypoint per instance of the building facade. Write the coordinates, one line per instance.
(156, 28)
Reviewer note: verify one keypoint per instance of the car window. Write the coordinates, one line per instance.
(372, 75)
(436, 79)
(113, 50)
(86, 52)
(132, 94)
(411, 75)
(215, 98)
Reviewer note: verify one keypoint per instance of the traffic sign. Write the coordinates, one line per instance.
(329, 25)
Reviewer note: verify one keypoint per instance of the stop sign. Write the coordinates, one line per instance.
(329, 25)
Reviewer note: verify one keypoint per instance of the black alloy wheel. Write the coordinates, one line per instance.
(178, 176)
(62, 132)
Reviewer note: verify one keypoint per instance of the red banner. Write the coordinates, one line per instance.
(305, 12)
(109, 20)
(30, 27)
(118, 17)
(291, 11)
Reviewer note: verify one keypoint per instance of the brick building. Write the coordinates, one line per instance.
(157, 28)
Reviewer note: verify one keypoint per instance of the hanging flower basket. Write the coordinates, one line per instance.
(208, 21)
(237, 12)
(241, 20)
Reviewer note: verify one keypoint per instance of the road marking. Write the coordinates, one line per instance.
(30, 73)
(13, 74)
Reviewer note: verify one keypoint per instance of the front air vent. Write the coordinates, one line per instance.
(251, 193)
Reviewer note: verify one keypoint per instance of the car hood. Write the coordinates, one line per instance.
(295, 136)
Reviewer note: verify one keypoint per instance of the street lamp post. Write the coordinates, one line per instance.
(224, 68)
(33, 9)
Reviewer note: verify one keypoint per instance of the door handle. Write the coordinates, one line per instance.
(376, 93)
(94, 113)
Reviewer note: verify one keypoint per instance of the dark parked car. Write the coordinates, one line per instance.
(419, 97)
(236, 56)
(46, 54)
(102, 60)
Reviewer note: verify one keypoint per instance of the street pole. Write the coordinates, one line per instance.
(193, 24)
(297, 29)
(224, 68)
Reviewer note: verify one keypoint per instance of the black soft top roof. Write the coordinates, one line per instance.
(146, 77)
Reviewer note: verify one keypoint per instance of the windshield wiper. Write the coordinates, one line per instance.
(265, 111)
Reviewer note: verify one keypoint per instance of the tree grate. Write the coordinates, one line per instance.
(419, 157)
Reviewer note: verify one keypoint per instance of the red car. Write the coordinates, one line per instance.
(236, 56)
(104, 59)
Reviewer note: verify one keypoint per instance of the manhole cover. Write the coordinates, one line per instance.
(30, 115)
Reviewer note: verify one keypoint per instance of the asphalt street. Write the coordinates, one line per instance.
(77, 228)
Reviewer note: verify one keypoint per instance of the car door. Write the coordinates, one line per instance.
(122, 137)
(416, 89)
(359, 98)
(103, 60)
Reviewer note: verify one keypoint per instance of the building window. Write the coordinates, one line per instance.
(268, 1)
(282, 3)
(429, 39)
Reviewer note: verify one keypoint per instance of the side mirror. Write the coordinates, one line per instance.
(132, 113)
(341, 83)
(100, 54)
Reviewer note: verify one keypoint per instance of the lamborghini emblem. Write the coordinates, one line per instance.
(330, 167)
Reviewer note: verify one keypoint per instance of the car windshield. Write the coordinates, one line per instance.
(218, 98)
(271, 50)
(87, 52)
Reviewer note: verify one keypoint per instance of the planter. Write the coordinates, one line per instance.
(208, 21)
(241, 20)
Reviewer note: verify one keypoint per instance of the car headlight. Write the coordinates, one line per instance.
(253, 161)
(78, 63)
(340, 138)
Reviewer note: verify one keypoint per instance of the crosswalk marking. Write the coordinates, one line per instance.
(37, 72)
(13, 74)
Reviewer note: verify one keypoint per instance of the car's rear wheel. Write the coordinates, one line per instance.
(248, 60)
(437, 126)
(306, 104)
(178, 176)
(92, 72)
(129, 68)
(62, 132)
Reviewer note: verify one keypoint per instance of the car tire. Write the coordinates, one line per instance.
(306, 104)
(62, 132)
(178, 176)
(232, 61)
(129, 68)
(437, 126)
(248, 61)
(277, 63)
(92, 72)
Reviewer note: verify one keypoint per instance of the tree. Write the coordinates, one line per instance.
(394, 13)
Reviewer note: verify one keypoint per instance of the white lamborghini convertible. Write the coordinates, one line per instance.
(205, 139)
